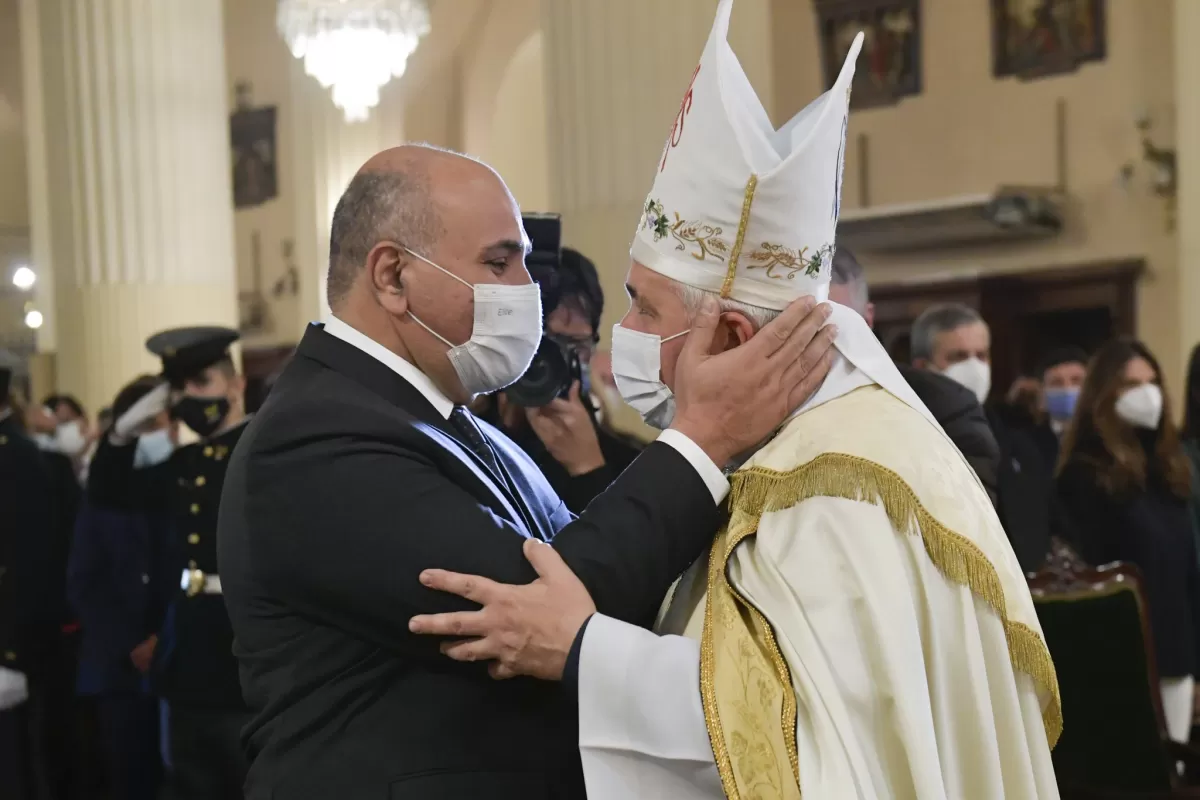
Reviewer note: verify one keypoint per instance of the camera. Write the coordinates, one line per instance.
(555, 366)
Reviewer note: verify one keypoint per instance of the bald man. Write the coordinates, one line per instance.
(363, 467)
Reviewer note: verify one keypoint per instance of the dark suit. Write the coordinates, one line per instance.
(194, 667)
(1029, 507)
(962, 418)
(347, 483)
(119, 582)
(119, 586)
(29, 609)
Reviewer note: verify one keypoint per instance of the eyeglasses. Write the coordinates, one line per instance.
(581, 344)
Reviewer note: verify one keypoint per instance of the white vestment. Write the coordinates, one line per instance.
(904, 679)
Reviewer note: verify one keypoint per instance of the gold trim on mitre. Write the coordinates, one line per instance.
(745, 685)
(731, 268)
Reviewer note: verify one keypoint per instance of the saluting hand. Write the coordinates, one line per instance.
(525, 630)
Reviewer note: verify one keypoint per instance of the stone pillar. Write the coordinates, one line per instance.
(327, 151)
(1187, 137)
(129, 174)
(615, 74)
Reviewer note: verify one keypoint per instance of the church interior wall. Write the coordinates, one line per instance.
(968, 132)
(472, 86)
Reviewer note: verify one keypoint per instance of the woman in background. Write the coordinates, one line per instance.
(1191, 433)
(1125, 480)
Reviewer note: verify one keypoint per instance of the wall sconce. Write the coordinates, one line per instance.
(33, 317)
(23, 278)
(1161, 163)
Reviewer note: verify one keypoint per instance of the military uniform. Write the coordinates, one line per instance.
(194, 667)
(30, 605)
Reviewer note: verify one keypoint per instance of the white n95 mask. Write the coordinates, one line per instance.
(636, 365)
(69, 438)
(972, 373)
(505, 335)
(1141, 406)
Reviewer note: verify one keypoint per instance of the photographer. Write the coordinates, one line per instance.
(549, 412)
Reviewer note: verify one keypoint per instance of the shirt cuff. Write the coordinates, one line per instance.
(709, 472)
(570, 675)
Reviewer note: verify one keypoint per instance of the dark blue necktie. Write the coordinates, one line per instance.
(472, 437)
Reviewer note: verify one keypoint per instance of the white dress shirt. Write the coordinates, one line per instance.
(710, 473)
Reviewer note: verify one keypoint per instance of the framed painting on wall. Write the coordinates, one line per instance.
(252, 140)
(1036, 38)
(889, 66)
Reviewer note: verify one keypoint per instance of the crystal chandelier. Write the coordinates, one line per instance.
(355, 46)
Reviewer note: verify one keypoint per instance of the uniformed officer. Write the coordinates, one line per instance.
(194, 668)
(28, 607)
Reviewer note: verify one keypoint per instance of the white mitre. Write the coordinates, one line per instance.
(738, 207)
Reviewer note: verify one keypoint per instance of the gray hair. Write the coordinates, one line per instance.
(693, 298)
(939, 319)
(848, 272)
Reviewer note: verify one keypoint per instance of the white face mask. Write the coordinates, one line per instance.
(69, 438)
(972, 373)
(153, 448)
(636, 364)
(504, 338)
(1141, 406)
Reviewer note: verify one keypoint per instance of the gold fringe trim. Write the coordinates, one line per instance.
(735, 254)
(757, 491)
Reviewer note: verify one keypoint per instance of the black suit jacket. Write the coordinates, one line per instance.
(958, 412)
(1029, 508)
(345, 486)
(30, 603)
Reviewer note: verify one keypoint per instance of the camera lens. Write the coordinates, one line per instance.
(548, 376)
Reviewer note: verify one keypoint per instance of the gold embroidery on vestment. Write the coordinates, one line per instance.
(749, 744)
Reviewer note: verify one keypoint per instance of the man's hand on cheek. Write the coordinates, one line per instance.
(729, 402)
(525, 630)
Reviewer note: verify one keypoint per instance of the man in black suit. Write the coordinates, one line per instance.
(363, 468)
(953, 340)
(953, 405)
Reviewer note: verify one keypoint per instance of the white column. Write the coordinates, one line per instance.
(1187, 137)
(326, 154)
(615, 73)
(130, 179)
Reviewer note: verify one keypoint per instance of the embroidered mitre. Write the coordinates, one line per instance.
(738, 207)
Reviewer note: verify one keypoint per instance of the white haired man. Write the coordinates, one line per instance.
(860, 627)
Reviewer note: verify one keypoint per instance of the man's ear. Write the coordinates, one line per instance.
(383, 267)
(733, 329)
(869, 315)
(921, 363)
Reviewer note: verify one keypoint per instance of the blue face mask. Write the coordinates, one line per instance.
(1060, 403)
(153, 449)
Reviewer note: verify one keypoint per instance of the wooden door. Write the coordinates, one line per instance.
(1029, 313)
